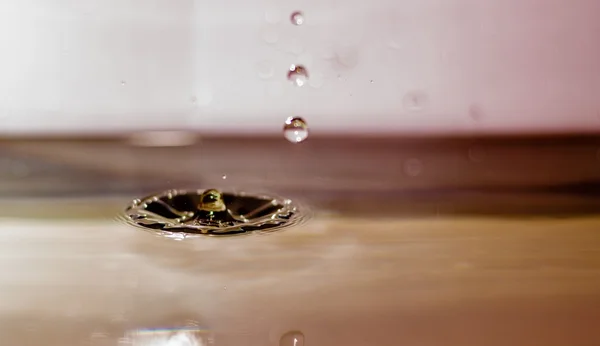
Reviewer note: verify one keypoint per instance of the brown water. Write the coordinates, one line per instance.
(448, 241)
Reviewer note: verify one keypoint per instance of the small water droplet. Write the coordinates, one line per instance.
(292, 338)
(371, 81)
(295, 129)
(224, 176)
(298, 75)
(225, 288)
(415, 101)
(413, 167)
(297, 18)
(123, 82)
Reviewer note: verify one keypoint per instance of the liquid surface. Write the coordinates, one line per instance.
(182, 214)
(494, 242)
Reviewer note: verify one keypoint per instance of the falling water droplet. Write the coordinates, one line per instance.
(123, 82)
(295, 129)
(224, 176)
(371, 81)
(293, 338)
(297, 18)
(298, 75)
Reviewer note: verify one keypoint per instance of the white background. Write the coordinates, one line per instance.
(220, 65)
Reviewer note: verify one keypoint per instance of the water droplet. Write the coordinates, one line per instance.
(123, 82)
(298, 75)
(297, 18)
(293, 338)
(224, 176)
(413, 167)
(371, 81)
(295, 129)
(181, 215)
(415, 101)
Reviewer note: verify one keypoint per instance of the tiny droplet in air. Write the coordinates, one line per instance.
(295, 129)
(297, 75)
(224, 176)
(123, 82)
(297, 18)
(293, 338)
(415, 101)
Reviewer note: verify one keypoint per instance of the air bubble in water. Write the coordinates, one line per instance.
(297, 18)
(295, 129)
(293, 338)
(298, 75)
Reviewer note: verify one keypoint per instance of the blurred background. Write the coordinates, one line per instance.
(425, 67)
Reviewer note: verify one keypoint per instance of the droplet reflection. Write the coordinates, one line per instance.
(292, 338)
